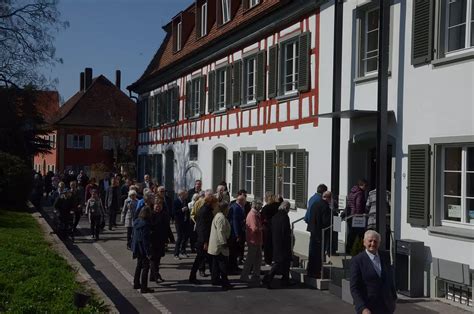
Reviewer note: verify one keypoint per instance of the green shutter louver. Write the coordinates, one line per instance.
(422, 32)
(261, 69)
(202, 95)
(258, 176)
(304, 80)
(237, 88)
(300, 180)
(162, 107)
(270, 160)
(176, 103)
(189, 99)
(273, 71)
(198, 21)
(418, 185)
(235, 173)
(228, 86)
(211, 91)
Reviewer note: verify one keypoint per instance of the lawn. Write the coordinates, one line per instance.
(33, 277)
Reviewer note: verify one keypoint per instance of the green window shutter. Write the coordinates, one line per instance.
(228, 86)
(157, 111)
(258, 176)
(158, 167)
(422, 32)
(237, 90)
(198, 21)
(176, 103)
(152, 112)
(211, 91)
(235, 173)
(245, 4)
(202, 95)
(270, 160)
(418, 185)
(161, 108)
(304, 80)
(301, 179)
(273, 71)
(187, 107)
(261, 75)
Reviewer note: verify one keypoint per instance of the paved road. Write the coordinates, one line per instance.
(111, 265)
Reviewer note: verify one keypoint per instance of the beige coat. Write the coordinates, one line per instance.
(220, 232)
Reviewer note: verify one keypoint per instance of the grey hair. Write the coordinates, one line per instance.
(195, 197)
(149, 197)
(146, 191)
(285, 205)
(209, 192)
(257, 205)
(201, 194)
(369, 233)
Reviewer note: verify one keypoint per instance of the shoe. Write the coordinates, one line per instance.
(159, 279)
(146, 290)
(136, 286)
(92, 237)
(194, 281)
(110, 229)
(203, 273)
(183, 255)
(176, 257)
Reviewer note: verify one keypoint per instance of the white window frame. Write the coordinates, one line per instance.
(294, 64)
(204, 19)
(225, 11)
(251, 180)
(366, 42)
(250, 98)
(196, 97)
(76, 141)
(221, 88)
(292, 178)
(253, 3)
(179, 28)
(441, 171)
(469, 22)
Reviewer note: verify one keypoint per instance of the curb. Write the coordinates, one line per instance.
(82, 276)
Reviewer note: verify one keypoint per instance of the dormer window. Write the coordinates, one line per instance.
(204, 19)
(225, 5)
(177, 34)
(253, 3)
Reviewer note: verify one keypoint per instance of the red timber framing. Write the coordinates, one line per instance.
(212, 125)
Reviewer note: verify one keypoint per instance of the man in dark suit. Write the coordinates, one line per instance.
(182, 221)
(372, 285)
(320, 219)
(112, 202)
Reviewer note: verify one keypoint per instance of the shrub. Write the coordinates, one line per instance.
(15, 180)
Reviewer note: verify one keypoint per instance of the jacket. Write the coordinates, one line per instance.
(356, 201)
(160, 231)
(307, 217)
(368, 289)
(181, 217)
(320, 218)
(220, 233)
(141, 238)
(281, 237)
(236, 218)
(203, 224)
(254, 228)
(112, 198)
(94, 208)
(129, 207)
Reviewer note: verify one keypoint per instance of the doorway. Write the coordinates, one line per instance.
(219, 166)
(169, 172)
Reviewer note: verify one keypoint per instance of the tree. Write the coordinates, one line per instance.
(27, 29)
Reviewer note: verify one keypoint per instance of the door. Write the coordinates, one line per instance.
(219, 166)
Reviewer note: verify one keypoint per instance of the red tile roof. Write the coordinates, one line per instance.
(101, 105)
(165, 57)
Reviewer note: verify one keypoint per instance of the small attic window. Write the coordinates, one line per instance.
(177, 34)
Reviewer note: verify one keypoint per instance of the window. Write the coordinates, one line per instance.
(204, 19)
(253, 3)
(459, 27)
(225, 11)
(78, 141)
(193, 152)
(178, 35)
(287, 162)
(221, 88)
(196, 97)
(290, 66)
(250, 79)
(457, 183)
(249, 172)
(371, 44)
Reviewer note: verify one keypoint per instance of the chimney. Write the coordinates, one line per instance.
(117, 78)
(81, 82)
(87, 78)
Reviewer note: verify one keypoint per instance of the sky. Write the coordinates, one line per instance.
(109, 35)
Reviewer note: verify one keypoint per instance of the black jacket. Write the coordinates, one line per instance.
(113, 193)
(179, 216)
(368, 289)
(281, 237)
(160, 233)
(320, 218)
(203, 223)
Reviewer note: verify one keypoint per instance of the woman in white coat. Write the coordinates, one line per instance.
(218, 248)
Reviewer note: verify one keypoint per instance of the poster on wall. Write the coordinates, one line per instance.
(454, 211)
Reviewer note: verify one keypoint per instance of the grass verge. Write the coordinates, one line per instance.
(33, 277)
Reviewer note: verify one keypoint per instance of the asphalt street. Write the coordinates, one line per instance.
(110, 263)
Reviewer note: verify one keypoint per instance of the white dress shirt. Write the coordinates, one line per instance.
(375, 259)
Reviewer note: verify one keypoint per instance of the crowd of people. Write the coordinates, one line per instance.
(207, 223)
